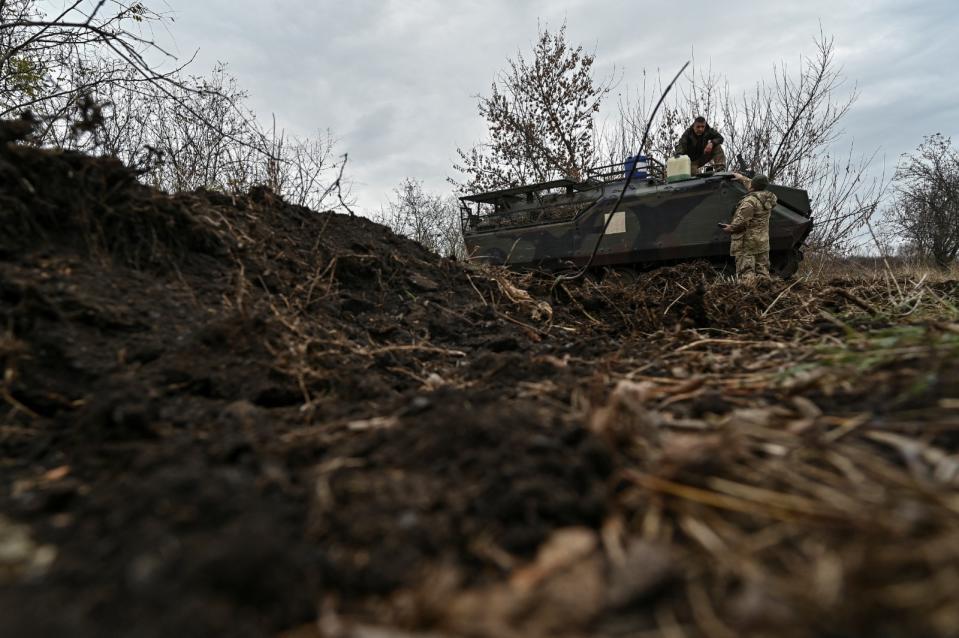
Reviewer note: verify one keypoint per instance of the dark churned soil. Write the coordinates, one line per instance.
(233, 416)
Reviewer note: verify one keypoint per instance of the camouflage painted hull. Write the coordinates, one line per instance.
(655, 223)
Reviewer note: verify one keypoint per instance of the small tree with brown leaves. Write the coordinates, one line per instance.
(541, 117)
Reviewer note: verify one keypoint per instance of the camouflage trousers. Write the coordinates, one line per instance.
(750, 266)
(717, 157)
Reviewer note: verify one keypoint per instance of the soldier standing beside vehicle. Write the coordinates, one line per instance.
(703, 144)
(750, 228)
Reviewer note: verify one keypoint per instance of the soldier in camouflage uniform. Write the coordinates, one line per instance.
(750, 228)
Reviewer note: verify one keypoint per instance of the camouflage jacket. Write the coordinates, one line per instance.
(750, 224)
(695, 145)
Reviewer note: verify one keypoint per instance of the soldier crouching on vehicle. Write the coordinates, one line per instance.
(750, 228)
(703, 144)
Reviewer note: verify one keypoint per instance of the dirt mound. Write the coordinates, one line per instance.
(233, 415)
(173, 358)
(95, 205)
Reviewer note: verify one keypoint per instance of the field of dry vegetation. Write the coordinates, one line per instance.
(234, 416)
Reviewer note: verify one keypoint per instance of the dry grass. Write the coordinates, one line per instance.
(824, 267)
(788, 467)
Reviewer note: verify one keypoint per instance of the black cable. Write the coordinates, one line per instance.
(629, 178)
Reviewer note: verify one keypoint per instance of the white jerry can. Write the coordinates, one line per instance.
(678, 168)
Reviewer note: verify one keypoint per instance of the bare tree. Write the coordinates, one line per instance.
(925, 210)
(845, 196)
(49, 62)
(432, 220)
(541, 117)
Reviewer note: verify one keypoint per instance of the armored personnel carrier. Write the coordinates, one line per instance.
(569, 223)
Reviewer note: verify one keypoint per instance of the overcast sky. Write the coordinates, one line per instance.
(396, 80)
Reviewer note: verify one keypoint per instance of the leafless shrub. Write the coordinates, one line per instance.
(432, 220)
(925, 208)
(51, 61)
(227, 152)
(183, 132)
(844, 199)
(215, 153)
(300, 169)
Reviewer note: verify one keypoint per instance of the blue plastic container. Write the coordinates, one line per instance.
(636, 164)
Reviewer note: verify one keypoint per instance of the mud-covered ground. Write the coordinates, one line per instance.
(232, 416)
